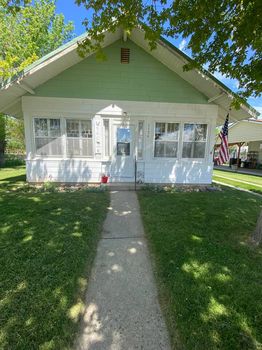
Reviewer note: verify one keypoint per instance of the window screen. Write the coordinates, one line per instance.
(166, 140)
(48, 140)
(194, 140)
(79, 138)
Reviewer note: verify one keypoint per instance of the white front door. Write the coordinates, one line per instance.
(123, 160)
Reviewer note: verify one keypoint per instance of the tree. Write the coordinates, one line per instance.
(225, 35)
(27, 33)
(15, 139)
(2, 138)
(30, 33)
(13, 5)
(256, 236)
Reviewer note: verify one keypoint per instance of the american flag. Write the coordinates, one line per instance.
(223, 155)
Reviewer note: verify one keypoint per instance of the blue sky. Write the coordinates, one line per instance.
(77, 14)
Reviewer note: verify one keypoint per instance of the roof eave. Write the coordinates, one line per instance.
(230, 94)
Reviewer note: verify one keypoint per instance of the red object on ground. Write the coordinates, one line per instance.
(104, 179)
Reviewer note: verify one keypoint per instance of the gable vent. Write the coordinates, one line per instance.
(125, 55)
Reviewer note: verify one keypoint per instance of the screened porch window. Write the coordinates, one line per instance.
(79, 141)
(48, 140)
(194, 140)
(166, 140)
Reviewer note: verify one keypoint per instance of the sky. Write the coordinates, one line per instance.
(77, 14)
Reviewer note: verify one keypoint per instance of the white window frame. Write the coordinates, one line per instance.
(79, 120)
(48, 128)
(166, 121)
(206, 141)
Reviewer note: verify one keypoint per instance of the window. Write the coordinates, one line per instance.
(194, 140)
(140, 140)
(166, 140)
(123, 141)
(47, 136)
(106, 138)
(79, 138)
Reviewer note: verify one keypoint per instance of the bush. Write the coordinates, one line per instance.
(11, 160)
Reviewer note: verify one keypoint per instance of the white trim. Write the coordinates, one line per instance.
(27, 88)
(48, 128)
(178, 141)
(63, 137)
(65, 106)
(206, 142)
(156, 169)
(212, 99)
(141, 159)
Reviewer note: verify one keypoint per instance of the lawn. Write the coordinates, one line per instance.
(47, 243)
(209, 278)
(248, 182)
(12, 176)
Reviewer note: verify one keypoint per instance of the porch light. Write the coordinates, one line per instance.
(124, 119)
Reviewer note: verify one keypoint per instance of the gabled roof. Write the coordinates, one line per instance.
(66, 56)
(245, 131)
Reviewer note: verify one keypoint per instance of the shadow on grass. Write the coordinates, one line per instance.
(210, 279)
(13, 179)
(47, 242)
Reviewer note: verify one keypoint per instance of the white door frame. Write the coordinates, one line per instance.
(122, 166)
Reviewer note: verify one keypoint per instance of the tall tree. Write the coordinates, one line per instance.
(13, 5)
(225, 35)
(27, 33)
(30, 33)
(15, 138)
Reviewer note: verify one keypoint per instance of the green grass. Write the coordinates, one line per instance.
(234, 179)
(12, 176)
(209, 277)
(47, 244)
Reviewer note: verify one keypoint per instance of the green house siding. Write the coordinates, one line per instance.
(143, 79)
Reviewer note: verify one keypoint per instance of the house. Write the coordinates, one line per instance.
(84, 118)
(249, 133)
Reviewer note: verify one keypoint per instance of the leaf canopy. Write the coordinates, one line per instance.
(29, 33)
(224, 35)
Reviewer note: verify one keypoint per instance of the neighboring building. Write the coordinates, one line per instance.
(85, 118)
(248, 132)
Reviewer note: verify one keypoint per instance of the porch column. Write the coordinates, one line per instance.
(240, 144)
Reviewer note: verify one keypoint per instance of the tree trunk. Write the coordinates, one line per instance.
(2, 138)
(256, 237)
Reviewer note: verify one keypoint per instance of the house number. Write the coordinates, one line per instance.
(98, 136)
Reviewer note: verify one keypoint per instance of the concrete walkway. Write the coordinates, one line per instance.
(122, 310)
(245, 171)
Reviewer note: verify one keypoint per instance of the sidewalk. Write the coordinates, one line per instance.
(246, 171)
(122, 310)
